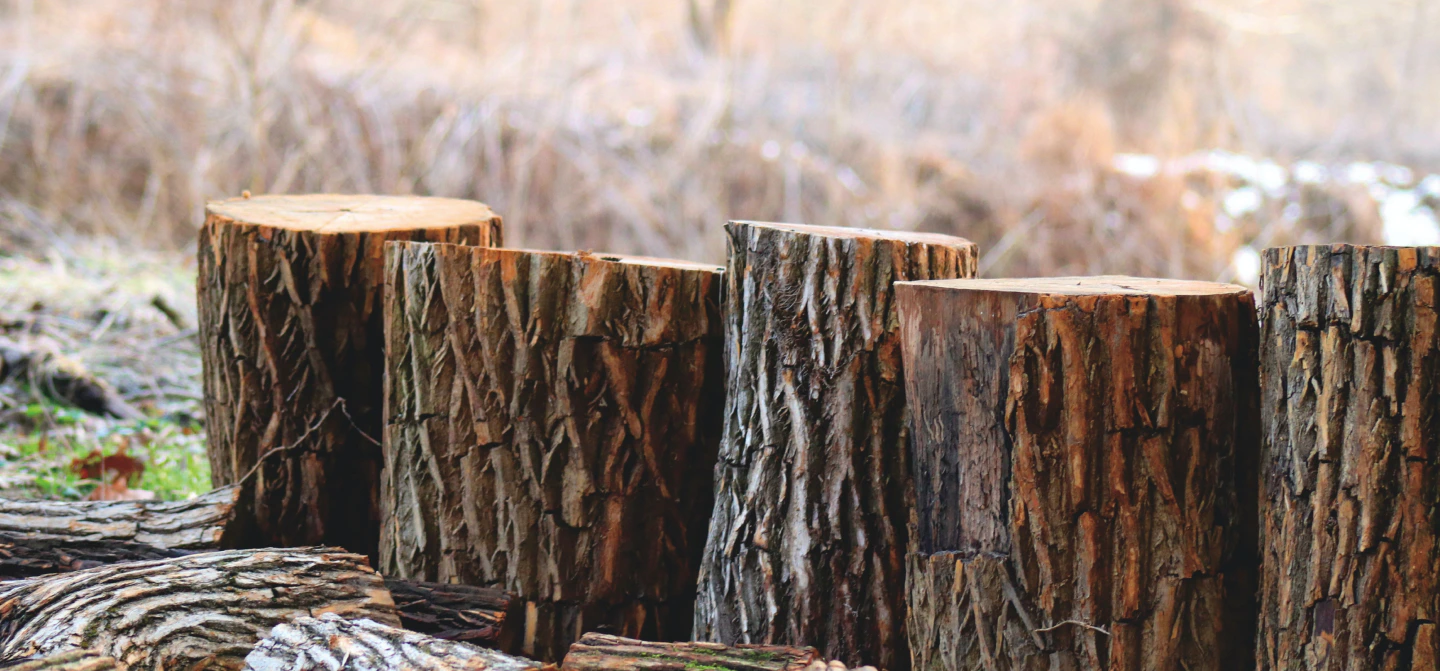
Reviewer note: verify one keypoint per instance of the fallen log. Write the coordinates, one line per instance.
(332, 643)
(552, 421)
(1350, 368)
(603, 652)
(77, 660)
(1084, 455)
(30, 555)
(292, 346)
(206, 522)
(61, 379)
(809, 533)
(485, 616)
(204, 610)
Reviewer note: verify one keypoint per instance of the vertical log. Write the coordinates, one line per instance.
(809, 533)
(1349, 366)
(1084, 452)
(552, 422)
(291, 342)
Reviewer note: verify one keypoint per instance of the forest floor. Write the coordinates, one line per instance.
(104, 307)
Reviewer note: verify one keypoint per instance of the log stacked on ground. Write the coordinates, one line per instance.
(552, 422)
(291, 341)
(1350, 364)
(484, 616)
(205, 610)
(603, 652)
(332, 643)
(809, 532)
(77, 660)
(1084, 455)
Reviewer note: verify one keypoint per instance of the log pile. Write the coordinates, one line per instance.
(330, 642)
(1084, 457)
(809, 531)
(552, 427)
(291, 341)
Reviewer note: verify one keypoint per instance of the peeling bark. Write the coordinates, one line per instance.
(27, 556)
(205, 522)
(552, 422)
(1349, 367)
(1084, 456)
(203, 611)
(331, 643)
(602, 652)
(291, 341)
(809, 532)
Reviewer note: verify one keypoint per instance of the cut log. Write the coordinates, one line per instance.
(484, 616)
(809, 533)
(28, 555)
(292, 347)
(79, 660)
(202, 611)
(1349, 368)
(332, 643)
(602, 652)
(552, 427)
(206, 522)
(1084, 456)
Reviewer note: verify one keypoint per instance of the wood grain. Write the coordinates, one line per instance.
(602, 652)
(332, 643)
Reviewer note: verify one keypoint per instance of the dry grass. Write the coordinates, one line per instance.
(641, 125)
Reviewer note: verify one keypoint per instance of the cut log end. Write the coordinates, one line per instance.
(341, 214)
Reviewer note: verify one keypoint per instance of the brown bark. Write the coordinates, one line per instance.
(1351, 541)
(78, 660)
(602, 652)
(1084, 459)
(809, 532)
(203, 611)
(552, 426)
(205, 522)
(26, 556)
(332, 643)
(292, 346)
(481, 615)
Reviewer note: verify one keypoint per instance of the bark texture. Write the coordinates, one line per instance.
(808, 538)
(28, 555)
(78, 660)
(292, 346)
(205, 522)
(1084, 455)
(332, 643)
(481, 615)
(203, 611)
(552, 427)
(602, 652)
(1351, 536)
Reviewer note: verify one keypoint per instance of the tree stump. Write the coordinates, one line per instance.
(1349, 369)
(203, 611)
(552, 428)
(292, 347)
(809, 533)
(329, 642)
(602, 652)
(1084, 453)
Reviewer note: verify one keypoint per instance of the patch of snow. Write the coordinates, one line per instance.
(1137, 165)
(1398, 175)
(1361, 173)
(1430, 186)
(1271, 176)
(1310, 172)
(1242, 201)
(1407, 222)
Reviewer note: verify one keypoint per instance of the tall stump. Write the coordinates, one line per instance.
(552, 424)
(291, 342)
(1084, 457)
(809, 533)
(1351, 535)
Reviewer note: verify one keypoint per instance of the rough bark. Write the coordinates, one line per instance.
(1350, 535)
(481, 615)
(1084, 455)
(809, 532)
(602, 652)
(203, 611)
(205, 522)
(26, 556)
(333, 643)
(78, 660)
(552, 427)
(292, 346)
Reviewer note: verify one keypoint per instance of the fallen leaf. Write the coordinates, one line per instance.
(118, 467)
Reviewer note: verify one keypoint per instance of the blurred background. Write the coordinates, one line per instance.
(1171, 138)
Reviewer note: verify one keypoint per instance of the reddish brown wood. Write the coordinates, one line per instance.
(602, 652)
(291, 340)
(1084, 455)
(552, 427)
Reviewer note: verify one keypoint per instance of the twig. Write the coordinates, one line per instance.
(1074, 622)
